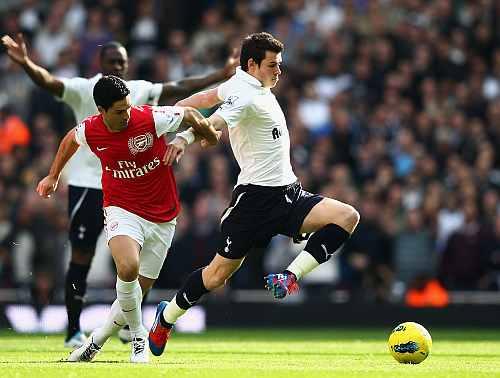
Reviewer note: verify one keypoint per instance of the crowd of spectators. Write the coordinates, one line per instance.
(393, 106)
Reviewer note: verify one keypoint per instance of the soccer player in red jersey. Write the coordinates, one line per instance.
(140, 196)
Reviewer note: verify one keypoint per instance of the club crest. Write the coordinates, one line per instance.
(140, 143)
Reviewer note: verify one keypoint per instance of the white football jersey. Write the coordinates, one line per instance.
(257, 131)
(84, 169)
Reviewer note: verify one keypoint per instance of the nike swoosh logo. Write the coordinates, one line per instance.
(128, 310)
(102, 148)
(187, 300)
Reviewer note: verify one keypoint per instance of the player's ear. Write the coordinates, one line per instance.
(101, 109)
(251, 64)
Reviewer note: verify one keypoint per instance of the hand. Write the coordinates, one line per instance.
(232, 62)
(205, 143)
(47, 186)
(175, 150)
(16, 49)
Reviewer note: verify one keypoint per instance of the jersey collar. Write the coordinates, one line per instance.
(245, 76)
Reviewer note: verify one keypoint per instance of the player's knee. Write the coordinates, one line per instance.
(128, 271)
(346, 217)
(352, 218)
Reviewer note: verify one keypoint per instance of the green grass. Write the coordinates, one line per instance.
(260, 353)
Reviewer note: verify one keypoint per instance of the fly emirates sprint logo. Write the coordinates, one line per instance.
(130, 170)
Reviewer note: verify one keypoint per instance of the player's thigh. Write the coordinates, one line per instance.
(155, 248)
(125, 251)
(125, 236)
(328, 211)
(86, 218)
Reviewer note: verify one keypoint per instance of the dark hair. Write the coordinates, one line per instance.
(108, 90)
(109, 45)
(255, 46)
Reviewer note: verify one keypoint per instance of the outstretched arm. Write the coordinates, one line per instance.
(67, 149)
(18, 52)
(189, 85)
(202, 100)
(176, 147)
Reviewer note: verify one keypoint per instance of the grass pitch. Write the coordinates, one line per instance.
(222, 353)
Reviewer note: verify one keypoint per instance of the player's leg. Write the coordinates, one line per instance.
(199, 283)
(86, 222)
(330, 223)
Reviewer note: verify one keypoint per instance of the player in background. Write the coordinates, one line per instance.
(140, 197)
(267, 199)
(84, 171)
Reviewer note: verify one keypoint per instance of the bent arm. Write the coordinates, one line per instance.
(202, 100)
(67, 149)
(201, 125)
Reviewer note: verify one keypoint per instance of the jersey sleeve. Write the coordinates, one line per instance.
(234, 106)
(80, 134)
(167, 118)
(74, 88)
(149, 93)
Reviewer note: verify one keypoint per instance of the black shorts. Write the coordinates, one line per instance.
(257, 213)
(85, 216)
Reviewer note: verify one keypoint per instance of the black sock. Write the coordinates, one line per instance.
(75, 289)
(192, 290)
(324, 242)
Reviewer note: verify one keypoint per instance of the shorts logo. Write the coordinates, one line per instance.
(113, 226)
(228, 243)
(140, 143)
(228, 102)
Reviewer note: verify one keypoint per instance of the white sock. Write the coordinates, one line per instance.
(302, 264)
(172, 312)
(113, 323)
(129, 295)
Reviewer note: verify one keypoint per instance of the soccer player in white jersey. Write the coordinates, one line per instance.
(267, 200)
(84, 172)
(140, 197)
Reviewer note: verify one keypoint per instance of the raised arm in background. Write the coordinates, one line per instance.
(17, 51)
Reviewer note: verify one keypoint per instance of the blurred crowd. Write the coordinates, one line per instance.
(393, 106)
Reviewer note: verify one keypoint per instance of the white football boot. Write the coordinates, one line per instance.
(140, 350)
(86, 352)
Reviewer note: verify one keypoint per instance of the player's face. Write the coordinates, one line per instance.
(268, 71)
(117, 116)
(115, 62)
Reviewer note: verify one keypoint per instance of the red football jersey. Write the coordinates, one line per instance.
(133, 174)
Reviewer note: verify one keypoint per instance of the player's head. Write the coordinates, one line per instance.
(111, 95)
(261, 57)
(114, 59)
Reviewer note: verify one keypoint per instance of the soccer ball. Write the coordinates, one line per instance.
(410, 343)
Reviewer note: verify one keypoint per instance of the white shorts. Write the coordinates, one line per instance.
(154, 238)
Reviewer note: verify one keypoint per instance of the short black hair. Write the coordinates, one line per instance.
(108, 90)
(255, 46)
(109, 45)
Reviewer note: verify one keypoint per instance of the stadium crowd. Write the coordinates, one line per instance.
(392, 105)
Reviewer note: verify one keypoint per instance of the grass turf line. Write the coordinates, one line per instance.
(264, 353)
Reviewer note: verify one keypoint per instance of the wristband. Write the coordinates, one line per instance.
(187, 135)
